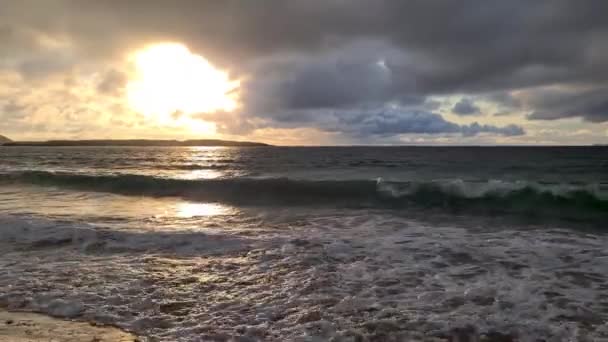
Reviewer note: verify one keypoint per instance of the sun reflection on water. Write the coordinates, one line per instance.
(189, 210)
(203, 174)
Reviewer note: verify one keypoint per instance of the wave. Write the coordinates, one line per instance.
(571, 201)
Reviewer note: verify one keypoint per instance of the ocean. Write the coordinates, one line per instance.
(309, 243)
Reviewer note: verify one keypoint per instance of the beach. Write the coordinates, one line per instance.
(31, 327)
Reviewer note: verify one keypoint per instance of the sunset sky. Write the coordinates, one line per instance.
(306, 72)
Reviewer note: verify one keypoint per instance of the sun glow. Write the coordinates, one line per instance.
(170, 82)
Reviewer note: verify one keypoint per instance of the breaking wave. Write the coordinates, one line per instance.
(581, 202)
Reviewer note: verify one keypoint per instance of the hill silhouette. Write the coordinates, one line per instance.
(4, 139)
(135, 142)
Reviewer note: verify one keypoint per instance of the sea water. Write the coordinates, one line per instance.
(309, 244)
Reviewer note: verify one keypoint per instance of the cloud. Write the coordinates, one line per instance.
(508, 131)
(341, 77)
(470, 45)
(330, 64)
(590, 104)
(465, 107)
(350, 90)
(382, 122)
(13, 110)
(505, 100)
(396, 121)
(112, 82)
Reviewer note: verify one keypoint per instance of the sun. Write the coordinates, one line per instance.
(169, 82)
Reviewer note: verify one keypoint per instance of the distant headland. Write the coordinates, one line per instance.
(4, 140)
(131, 142)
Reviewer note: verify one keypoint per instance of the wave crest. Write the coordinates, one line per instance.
(572, 201)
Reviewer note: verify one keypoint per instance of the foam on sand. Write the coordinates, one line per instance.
(368, 276)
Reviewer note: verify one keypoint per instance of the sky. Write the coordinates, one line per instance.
(306, 72)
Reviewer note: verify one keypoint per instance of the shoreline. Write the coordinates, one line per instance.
(20, 326)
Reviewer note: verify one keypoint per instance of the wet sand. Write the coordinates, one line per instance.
(31, 327)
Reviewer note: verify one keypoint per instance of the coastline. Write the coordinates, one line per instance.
(134, 142)
(18, 326)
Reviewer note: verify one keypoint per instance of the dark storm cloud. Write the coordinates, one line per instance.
(592, 105)
(395, 122)
(336, 84)
(385, 121)
(475, 128)
(312, 55)
(505, 100)
(351, 75)
(466, 44)
(465, 107)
